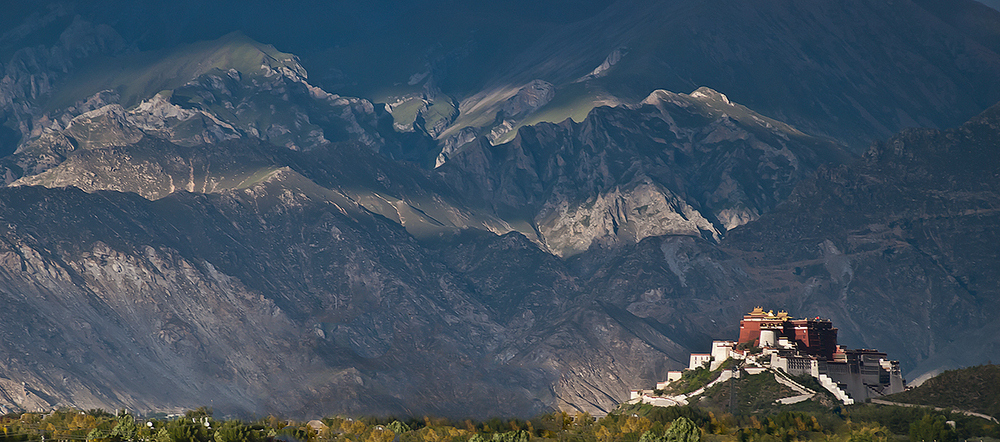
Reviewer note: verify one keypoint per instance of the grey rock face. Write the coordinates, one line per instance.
(613, 58)
(528, 99)
(331, 328)
(33, 72)
(271, 101)
(674, 165)
(453, 143)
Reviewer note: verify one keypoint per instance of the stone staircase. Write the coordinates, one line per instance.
(832, 387)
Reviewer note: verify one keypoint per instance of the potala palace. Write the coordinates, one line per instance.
(786, 346)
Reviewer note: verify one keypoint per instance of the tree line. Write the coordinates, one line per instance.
(635, 423)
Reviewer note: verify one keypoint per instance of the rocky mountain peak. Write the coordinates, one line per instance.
(675, 164)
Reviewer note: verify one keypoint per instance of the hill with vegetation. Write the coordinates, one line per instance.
(975, 389)
(633, 423)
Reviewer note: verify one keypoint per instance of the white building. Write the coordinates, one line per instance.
(699, 360)
(804, 347)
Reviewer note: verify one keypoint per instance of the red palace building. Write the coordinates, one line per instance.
(815, 337)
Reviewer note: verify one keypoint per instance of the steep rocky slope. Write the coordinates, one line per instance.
(267, 292)
(280, 291)
(288, 290)
(33, 73)
(683, 164)
(673, 164)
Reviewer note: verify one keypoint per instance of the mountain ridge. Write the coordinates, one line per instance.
(245, 234)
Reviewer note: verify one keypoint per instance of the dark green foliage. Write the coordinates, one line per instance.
(237, 431)
(784, 426)
(974, 389)
(126, 430)
(652, 436)
(896, 419)
(900, 419)
(754, 394)
(199, 413)
(671, 414)
(631, 423)
(692, 380)
(293, 432)
(183, 430)
(932, 429)
(683, 430)
(877, 433)
(398, 427)
(798, 421)
(511, 436)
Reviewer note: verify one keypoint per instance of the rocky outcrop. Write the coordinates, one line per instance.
(215, 106)
(454, 143)
(528, 99)
(612, 59)
(33, 73)
(673, 165)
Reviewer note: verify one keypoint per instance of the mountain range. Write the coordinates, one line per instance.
(526, 209)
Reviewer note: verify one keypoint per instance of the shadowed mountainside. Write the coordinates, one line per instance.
(357, 316)
(857, 71)
(201, 224)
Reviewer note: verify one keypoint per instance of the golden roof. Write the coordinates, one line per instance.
(759, 311)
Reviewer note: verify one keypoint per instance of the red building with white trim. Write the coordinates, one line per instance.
(815, 337)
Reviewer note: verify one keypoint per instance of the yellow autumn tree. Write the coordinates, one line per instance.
(603, 434)
(380, 434)
(430, 435)
(636, 424)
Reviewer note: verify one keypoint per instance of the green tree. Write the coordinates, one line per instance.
(512, 436)
(932, 429)
(183, 430)
(198, 413)
(297, 433)
(398, 427)
(126, 429)
(870, 433)
(652, 436)
(98, 435)
(683, 430)
(233, 431)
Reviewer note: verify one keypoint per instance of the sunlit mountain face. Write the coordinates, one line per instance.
(479, 209)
